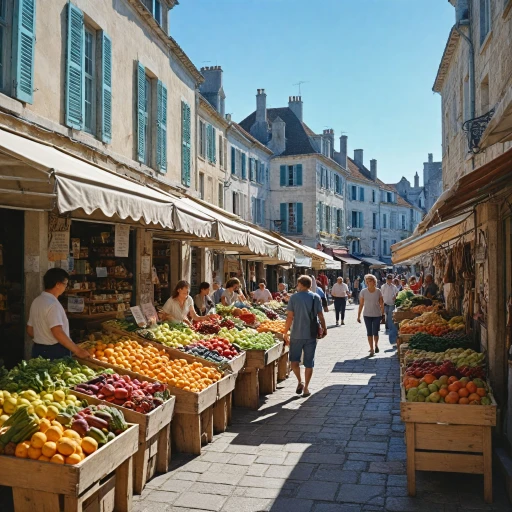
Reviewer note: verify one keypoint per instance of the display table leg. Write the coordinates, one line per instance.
(247, 389)
(410, 441)
(124, 486)
(186, 433)
(487, 452)
(220, 415)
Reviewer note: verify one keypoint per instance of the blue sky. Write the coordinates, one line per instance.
(369, 67)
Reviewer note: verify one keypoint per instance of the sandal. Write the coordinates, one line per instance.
(372, 353)
(305, 395)
(376, 350)
(299, 389)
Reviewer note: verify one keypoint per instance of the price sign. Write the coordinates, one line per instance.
(139, 317)
(101, 272)
(150, 312)
(76, 304)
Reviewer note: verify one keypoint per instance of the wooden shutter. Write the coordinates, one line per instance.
(298, 175)
(74, 69)
(244, 170)
(284, 217)
(214, 145)
(186, 161)
(23, 49)
(299, 218)
(141, 112)
(282, 172)
(225, 154)
(253, 210)
(262, 216)
(106, 88)
(321, 212)
(233, 160)
(251, 169)
(161, 127)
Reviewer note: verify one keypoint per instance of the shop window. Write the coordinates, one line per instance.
(161, 263)
(357, 219)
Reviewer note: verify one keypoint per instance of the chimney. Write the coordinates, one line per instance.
(416, 181)
(259, 129)
(430, 158)
(329, 135)
(278, 141)
(341, 157)
(373, 169)
(212, 89)
(295, 104)
(358, 157)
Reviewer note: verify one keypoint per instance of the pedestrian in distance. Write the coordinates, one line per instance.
(389, 292)
(340, 293)
(371, 301)
(415, 285)
(303, 313)
(356, 289)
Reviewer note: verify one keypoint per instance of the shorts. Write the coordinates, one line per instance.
(372, 325)
(52, 352)
(297, 347)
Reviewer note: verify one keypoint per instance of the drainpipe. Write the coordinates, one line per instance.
(471, 60)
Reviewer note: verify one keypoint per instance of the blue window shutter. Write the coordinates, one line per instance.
(186, 161)
(244, 170)
(23, 49)
(141, 117)
(284, 217)
(298, 175)
(251, 169)
(262, 215)
(361, 194)
(106, 88)
(214, 145)
(299, 218)
(361, 221)
(233, 160)
(75, 69)
(321, 215)
(161, 127)
(253, 210)
(282, 175)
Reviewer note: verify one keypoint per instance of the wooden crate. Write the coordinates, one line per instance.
(267, 378)
(154, 453)
(247, 389)
(283, 370)
(102, 481)
(261, 358)
(222, 410)
(404, 347)
(449, 438)
(398, 316)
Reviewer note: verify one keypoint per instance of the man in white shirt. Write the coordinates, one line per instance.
(48, 324)
(262, 294)
(389, 292)
(340, 293)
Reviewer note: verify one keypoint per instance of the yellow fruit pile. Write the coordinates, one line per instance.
(272, 326)
(55, 444)
(147, 360)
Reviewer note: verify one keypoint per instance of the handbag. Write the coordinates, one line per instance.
(315, 329)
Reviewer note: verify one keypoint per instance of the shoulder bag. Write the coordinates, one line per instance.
(315, 329)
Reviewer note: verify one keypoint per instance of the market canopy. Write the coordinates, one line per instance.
(38, 176)
(346, 258)
(373, 262)
(433, 237)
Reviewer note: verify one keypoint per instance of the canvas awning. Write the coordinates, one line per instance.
(332, 265)
(373, 262)
(345, 258)
(302, 261)
(433, 237)
(499, 128)
(38, 176)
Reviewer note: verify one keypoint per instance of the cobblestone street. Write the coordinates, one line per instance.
(340, 450)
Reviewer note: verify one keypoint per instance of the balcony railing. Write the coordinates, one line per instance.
(475, 129)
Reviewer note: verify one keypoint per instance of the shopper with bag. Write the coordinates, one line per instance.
(323, 299)
(340, 294)
(370, 299)
(303, 316)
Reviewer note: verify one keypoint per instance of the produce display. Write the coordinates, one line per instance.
(422, 309)
(431, 323)
(276, 326)
(421, 367)
(458, 356)
(406, 299)
(219, 346)
(248, 339)
(248, 316)
(147, 360)
(445, 389)
(424, 341)
(210, 326)
(122, 390)
(275, 305)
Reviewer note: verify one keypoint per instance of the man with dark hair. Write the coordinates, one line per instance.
(303, 309)
(48, 325)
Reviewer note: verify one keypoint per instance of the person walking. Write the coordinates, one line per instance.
(302, 312)
(355, 290)
(370, 299)
(389, 292)
(340, 293)
(48, 324)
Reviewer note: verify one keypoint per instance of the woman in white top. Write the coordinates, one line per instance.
(262, 294)
(371, 300)
(232, 294)
(340, 293)
(180, 305)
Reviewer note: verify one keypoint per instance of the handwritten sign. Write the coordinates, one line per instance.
(58, 237)
(139, 317)
(150, 312)
(145, 265)
(76, 304)
(122, 243)
(75, 247)
(101, 272)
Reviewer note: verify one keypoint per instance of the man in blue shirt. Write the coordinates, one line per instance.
(303, 309)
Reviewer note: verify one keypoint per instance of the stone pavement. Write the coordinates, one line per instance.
(340, 450)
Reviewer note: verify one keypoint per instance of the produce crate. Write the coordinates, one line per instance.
(398, 316)
(450, 438)
(247, 389)
(222, 409)
(261, 358)
(102, 481)
(154, 452)
(283, 365)
(404, 347)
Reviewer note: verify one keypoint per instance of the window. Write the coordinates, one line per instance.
(258, 211)
(356, 193)
(155, 8)
(201, 185)
(374, 247)
(243, 166)
(236, 206)
(202, 138)
(328, 219)
(484, 95)
(373, 196)
(392, 220)
(374, 224)
(291, 217)
(338, 184)
(225, 154)
(384, 221)
(90, 81)
(402, 221)
(221, 152)
(357, 219)
(385, 247)
(211, 146)
(220, 195)
(290, 175)
(339, 221)
(353, 195)
(361, 194)
(324, 178)
(485, 19)
(356, 247)
(389, 197)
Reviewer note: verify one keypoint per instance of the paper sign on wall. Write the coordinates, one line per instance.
(76, 304)
(139, 317)
(145, 265)
(150, 312)
(75, 247)
(31, 263)
(101, 272)
(58, 237)
(122, 243)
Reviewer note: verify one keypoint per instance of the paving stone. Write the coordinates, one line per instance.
(325, 491)
(332, 507)
(298, 472)
(198, 466)
(175, 485)
(201, 501)
(336, 475)
(373, 479)
(292, 505)
(257, 470)
(162, 496)
(242, 504)
(255, 481)
(242, 459)
(211, 488)
(390, 468)
(397, 480)
(356, 493)
(220, 478)
(232, 469)
(186, 475)
(407, 505)
(355, 465)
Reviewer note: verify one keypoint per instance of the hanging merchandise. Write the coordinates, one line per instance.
(449, 274)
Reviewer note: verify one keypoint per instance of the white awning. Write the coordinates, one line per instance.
(302, 261)
(332, 265)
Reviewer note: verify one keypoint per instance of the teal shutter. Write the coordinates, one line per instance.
(23, 49)
(141, 112)
(185, 144)
(209, 142)
(299, 218)
(298, 175)
(262, 213)
(253, 210)
(214, 145)
(321, 216)
(161, 127)
(360, 219)
(106, 88)
(74, 69)
(233, 160)
(251, 169)
(284, 217)
(282, 180)
(361, 194)
(244, 170)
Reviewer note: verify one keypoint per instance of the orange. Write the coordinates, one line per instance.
(481, 392)
(443, 392)
(49, 449)
(66, 446)
(53, 433)
(463, 392)
(474, 397)
(73, 459)
(452, 397)
(34, 453)
(44, 458)
(38, 440)
(471, 387)
(464, 401)
(57, 459)
(454, 386)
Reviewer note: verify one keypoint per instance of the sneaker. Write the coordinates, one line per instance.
(342, 322)
(337, 323)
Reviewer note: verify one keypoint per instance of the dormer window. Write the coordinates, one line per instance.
(156, 9)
